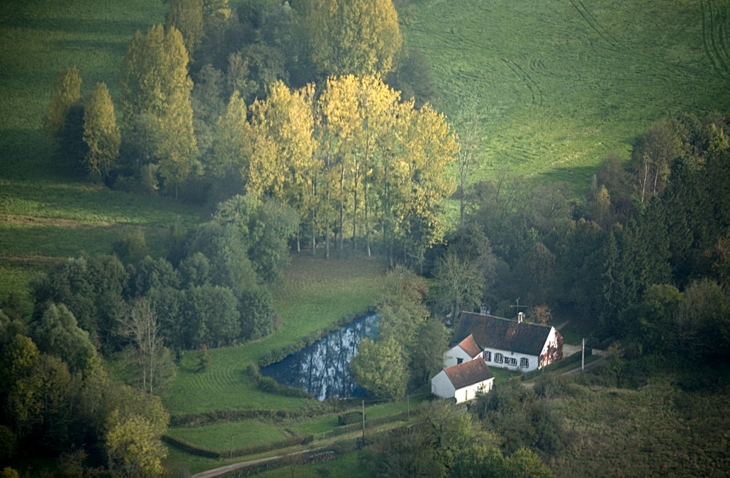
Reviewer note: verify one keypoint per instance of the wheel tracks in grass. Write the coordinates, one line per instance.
(714, 35)
(595, 25)
(526, 79)
(618, 46)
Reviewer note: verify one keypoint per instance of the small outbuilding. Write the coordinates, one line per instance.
(464, 351)
(463, 381)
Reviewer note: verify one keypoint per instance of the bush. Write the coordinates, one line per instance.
(349, 417)
(269, 385)
(8, 443)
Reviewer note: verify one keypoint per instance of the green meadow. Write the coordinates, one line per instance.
(557, 84)
(44, 213)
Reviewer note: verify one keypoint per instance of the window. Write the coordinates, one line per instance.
(510, 361)
(459, 360)
(487, 356)
(498, 358)
(524, 363)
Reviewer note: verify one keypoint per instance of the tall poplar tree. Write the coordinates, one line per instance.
(156, 90)
(187, 16)
(66, 92)
(352, 36)
(101, 133)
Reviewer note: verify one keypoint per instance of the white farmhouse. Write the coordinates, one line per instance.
(514, 345)
(463, 381)
(464, 351)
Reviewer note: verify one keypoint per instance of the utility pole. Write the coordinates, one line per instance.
(408, 398)
(583, 356)
(230, 454)
(363, 423)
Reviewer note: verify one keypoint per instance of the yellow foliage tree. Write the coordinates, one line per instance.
(352, 36)
(232, 147)
(101, 133)
(356, 156)
(66, 92)
(156, 88)
(134, 446)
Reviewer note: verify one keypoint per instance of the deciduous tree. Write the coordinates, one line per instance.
(142, 327)
(352, 37)
(66, 92)
(155, 85)
(187, 16)
(101, 133)
(459, 283)
(58, 333)
(380, 369)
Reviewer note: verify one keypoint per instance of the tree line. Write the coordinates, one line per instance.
(354, 160)
(57, 399)
(643, 257)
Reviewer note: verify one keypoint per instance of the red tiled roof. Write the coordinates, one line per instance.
(503, 334)
(470, 346)
(468, 373)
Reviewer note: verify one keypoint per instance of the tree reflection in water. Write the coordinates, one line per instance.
(323, 368)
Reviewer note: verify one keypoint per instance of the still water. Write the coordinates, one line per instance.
(323, 368)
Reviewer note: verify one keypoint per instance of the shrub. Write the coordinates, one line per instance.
(349, 417)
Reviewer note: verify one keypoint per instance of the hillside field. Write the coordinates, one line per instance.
(557, 84)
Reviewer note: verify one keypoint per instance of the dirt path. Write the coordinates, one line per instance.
(600, 353)
(245, 464)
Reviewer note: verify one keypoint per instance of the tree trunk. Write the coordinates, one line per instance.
(342, 208)
(367, 219)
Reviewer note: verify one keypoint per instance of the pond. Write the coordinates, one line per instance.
(323, 369)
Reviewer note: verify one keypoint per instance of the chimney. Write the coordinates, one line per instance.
(520, 317)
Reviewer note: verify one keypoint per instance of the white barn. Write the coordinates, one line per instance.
(464, 351)
(514, 345)
(463, 381)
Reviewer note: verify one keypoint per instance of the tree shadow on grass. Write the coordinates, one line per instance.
(24, 155)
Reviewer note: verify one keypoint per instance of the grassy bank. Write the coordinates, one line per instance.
(559, 84)
(314, 294)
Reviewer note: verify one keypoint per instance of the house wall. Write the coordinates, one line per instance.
(451, 356)
(553, 349)
(441, 386)
(532, 360)
(470, 392)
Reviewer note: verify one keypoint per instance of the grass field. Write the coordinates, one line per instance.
(223, 436)
(314, 294)
(45, 214)
(560, 83)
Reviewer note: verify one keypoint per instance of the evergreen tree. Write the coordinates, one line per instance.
(101, 133)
